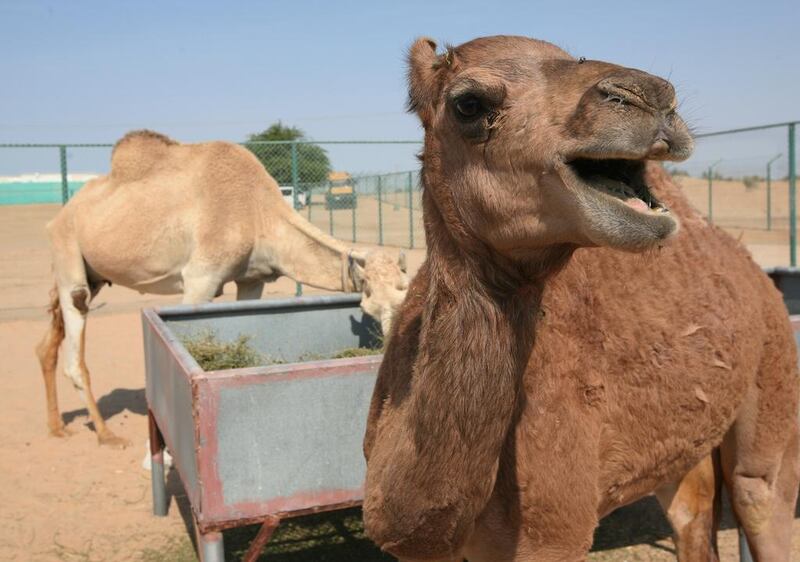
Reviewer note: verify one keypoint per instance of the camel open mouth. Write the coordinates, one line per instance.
(620, 179)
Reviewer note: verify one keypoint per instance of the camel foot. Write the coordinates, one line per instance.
(108, 439)
(60, 431)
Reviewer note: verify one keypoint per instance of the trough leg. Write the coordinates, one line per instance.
(744, 548)
(158, 482)
(263, 536)
(211, 547)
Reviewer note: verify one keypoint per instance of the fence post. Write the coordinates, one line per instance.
(410, 210)
(355, 204)
(710, 212)
(298, 291)
(710, 178)
(792, 198)
(769, 197)
(769, 192)
(330, 214)
(62, 153)
(380, 213)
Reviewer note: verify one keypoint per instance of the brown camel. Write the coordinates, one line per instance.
(533, 384)
(176, 218)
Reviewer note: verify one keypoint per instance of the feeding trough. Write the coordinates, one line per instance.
(264, 443)
(259, 444)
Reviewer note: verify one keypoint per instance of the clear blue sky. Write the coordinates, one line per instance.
(87, 71)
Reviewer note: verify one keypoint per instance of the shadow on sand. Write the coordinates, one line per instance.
(117, 401)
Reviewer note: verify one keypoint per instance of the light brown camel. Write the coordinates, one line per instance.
(533, 384)
(176, 218)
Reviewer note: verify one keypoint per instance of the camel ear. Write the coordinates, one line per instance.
(401, 262)
(424, 82)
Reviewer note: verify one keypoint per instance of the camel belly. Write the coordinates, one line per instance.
(145, 281)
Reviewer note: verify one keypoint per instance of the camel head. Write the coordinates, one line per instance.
(383, 283)
(527, 147)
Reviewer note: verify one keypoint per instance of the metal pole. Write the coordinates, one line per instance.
(792, 199)
(710, 176)
(62, 153)
(157, 482)
(410, 211)
(769, 197)
(744, 548)
(769, 192)
(355, 204)
(298, 290)
(330, 216)
(380, 213)
(211, 546)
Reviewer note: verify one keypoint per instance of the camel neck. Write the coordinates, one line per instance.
(443, 441)
(314, 258)
(456, 256)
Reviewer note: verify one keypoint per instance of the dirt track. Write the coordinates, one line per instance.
(68, 499)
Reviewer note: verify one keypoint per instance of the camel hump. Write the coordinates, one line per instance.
(135, 154)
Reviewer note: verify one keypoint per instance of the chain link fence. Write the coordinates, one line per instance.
(338, 186)
(743, 180)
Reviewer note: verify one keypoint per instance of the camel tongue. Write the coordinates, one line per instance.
(637, 204)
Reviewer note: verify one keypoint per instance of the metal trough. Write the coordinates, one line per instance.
(260, 444)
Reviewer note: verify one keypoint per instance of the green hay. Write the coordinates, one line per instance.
(357, 352)
(214, 355)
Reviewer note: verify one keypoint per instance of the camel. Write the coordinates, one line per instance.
(176, 218)
(578, 336)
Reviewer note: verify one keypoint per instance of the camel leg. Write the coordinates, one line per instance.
(763, 490)
(47, 352)
(199, 285)
(75, 307)
(249, 290)
(691, 505)
(760, 453)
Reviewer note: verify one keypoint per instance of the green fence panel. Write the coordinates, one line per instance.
(725, 179)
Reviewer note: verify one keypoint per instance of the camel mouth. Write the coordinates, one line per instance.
(620, 180)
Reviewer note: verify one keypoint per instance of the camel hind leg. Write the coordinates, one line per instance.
(75, 307)
(74, 293)
(761, 452)
(47, 352)
(764, 494)
(692, 506)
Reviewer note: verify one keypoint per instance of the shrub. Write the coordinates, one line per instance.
(751, 182)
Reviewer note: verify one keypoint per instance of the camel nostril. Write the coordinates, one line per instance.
(659, 148)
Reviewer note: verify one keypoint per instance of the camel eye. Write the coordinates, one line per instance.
(468, 107)
(619, 100)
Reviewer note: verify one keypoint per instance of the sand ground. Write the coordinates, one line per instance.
(68, 499)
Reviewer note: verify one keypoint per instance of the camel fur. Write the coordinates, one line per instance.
(175, 218)
(567, 348)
